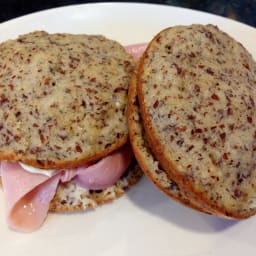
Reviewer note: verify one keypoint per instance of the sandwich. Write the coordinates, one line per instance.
(192, 119)
(63, 126)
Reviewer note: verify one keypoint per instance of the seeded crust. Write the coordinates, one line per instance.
(71, 197)
(62, 98)
(196, 89)
(144, 155)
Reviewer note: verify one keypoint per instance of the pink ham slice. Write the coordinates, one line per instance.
(136, 50)
(106, 172)
(28, 195)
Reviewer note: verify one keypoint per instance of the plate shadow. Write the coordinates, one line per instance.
(147, 197)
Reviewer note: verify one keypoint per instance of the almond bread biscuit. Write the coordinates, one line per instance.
(62, 98)
(197, 93)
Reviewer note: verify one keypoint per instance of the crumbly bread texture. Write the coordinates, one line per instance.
(197, 94)
(144, 155)
(62, 98)
(70, 197)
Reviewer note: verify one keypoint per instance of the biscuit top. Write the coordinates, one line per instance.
(197, 90)
(62, 98)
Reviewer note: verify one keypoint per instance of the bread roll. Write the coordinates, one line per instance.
(62, 98)
(197, 94)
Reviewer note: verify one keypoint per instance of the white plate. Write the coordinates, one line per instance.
(144, 222)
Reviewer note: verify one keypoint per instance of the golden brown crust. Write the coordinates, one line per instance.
(62, 98)
(71, 163)
(194, 67)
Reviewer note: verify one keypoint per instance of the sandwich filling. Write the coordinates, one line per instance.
(28, 195)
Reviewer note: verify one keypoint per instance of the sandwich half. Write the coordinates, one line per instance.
(63, 126)
(194, 117)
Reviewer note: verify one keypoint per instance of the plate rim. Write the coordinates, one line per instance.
(49, 227)
(114, 4)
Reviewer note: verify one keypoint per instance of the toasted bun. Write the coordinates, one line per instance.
(197, 94)
(62, 98)
(70, 197)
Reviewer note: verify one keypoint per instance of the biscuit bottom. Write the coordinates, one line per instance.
(70, 197)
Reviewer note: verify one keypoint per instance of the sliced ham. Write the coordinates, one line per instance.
(27, 196)
(136, 50)
(106, 172)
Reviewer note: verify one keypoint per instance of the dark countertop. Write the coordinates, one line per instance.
(240, 10)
